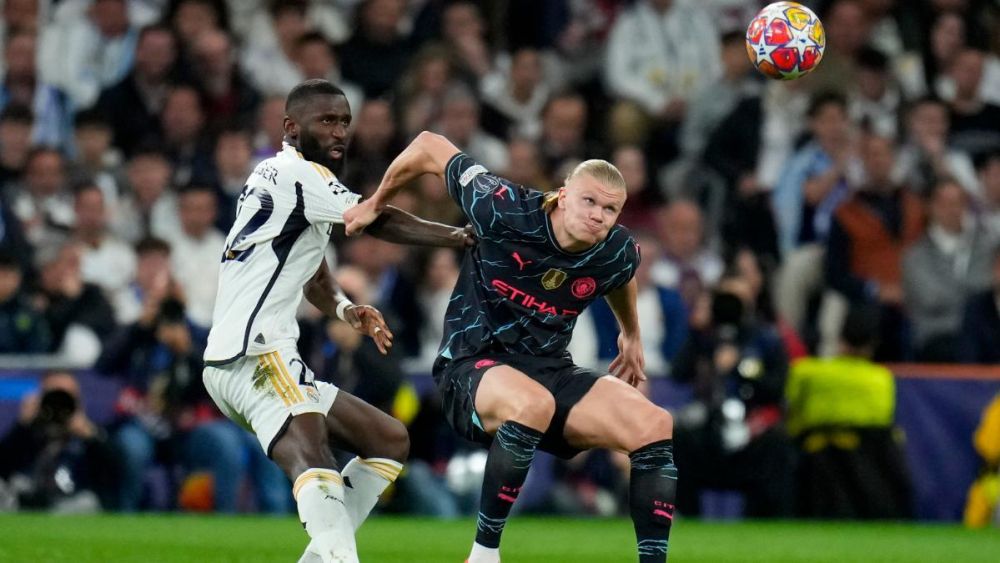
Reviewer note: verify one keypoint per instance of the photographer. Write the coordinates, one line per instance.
(730, 436)
(55, 458)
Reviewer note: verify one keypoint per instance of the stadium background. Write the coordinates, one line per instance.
(127, 129)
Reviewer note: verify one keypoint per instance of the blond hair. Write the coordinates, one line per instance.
(600, 170)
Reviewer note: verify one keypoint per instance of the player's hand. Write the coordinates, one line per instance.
(360, 216)
(629, 364)
(466, 236)
(368, 320)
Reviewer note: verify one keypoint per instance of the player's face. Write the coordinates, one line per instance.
(590, 208)
(323, 129)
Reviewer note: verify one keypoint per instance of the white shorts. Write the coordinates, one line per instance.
(263, 393)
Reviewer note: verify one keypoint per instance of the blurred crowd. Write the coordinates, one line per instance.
(851, 214)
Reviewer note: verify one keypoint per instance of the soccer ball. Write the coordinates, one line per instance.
(785, 40)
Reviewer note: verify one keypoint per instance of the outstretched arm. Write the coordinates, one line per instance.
(427, 154)
(628, 365)
(323, 292)
(400, 227)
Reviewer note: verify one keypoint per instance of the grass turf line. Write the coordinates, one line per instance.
(250, 539)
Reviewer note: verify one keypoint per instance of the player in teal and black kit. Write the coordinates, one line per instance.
(503, 371)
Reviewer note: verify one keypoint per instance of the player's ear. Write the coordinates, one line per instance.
(291, 128)
(561, 200)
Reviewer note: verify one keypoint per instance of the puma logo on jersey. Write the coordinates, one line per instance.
(520, 262)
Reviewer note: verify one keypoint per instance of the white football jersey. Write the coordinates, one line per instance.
(283, 224)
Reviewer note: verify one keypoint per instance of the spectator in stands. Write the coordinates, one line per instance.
(660, 54)
(980, 338)
(133, 105)
(422, 90)
(975, 123)
(377, 53)
(44, 204)
(82, 56)
(270, 52)
(269, 131)
(149, 208)
(22, 85)
(644, 196)
(731, 437)
(848, 30)
(183, 125)
(23, 329)
(841, 412)
(374, 144)
(316, 58)
(15, 142)
(686, 264)
(77, 312)
(517, 89)
(925, 157)
(437, 272)
(924, 73)
(17, 15)
(164, 407)
(191, 20)
(464, 33)
(868, 236)
(563, 140)
(95, 159)
(152, 284)
(232, 165)
(107, 262)
(195, 252)
(949, 264)
(875, 102)
(460, 124)
(663, 324)
(227, 95)
(55, 458)
(524, 165)
(989, 179)
(812, 186)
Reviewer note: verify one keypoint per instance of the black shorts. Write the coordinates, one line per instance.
(458, 381)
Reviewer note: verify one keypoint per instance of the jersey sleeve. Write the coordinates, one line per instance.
(325, 198)
(629, 257)
(489, 202)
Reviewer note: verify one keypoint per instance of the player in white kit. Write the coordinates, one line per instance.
(274, 255)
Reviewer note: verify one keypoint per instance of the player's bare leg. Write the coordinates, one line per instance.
(616, 416)
(304, 454)
(516, 410)
(381, 443)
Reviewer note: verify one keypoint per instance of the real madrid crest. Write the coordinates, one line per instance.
(553, 278)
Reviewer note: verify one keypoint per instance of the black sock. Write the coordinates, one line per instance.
(652, 489)
(506, 467)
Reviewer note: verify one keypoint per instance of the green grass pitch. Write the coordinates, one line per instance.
(177, 538)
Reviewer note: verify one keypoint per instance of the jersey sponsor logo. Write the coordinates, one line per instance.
(521, 263)
(470, 173)
(485, 364)
(553, 278)
(583, 288)
(530, 301)
(338, 188)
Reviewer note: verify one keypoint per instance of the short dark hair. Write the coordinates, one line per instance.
(823, 99)
(861, 327)
(312, 37)
(8, 261)
(306, 90)
(149, 245)
(734, 36)
(195, 187)
(90, 118)
(18, 113)
(871, 58)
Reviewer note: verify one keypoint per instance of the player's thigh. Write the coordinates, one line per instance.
(359, 427)
(616, 416)
(505, 393)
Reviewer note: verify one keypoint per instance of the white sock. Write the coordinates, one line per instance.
(320, 497)
(364, 481)
(483, 554)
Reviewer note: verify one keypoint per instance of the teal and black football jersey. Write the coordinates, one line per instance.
(519, 292)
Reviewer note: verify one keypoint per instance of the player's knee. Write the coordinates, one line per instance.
(651, 425)
(393, 441)
(532, 409)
